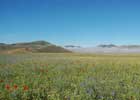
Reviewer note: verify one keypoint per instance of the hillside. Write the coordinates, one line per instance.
(35, 46)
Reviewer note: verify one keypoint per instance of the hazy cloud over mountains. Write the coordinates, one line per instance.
(107, 48)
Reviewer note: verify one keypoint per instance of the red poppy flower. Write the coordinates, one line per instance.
(25, 88)
(15, 86)
(11, 80)
(41, 70)
(7, 87)
(1, 81)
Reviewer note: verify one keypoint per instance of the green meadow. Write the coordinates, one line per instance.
(69, 76)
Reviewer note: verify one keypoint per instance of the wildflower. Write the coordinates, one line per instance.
(89, 91)
(66, 98)
(1, 81)
(42, 70)
(15, 86)
(11, 80)
(82, 70)
(7, 87)
(25, 88)
(35, 69)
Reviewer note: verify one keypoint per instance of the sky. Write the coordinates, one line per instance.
(66, 22)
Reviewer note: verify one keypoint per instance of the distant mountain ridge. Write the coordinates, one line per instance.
(107, 45)
(130, 46)
(108, 48)
(46, 47)
(121, 46)
(35, 46)
(72, 46)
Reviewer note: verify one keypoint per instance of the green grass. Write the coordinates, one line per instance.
(69, 77)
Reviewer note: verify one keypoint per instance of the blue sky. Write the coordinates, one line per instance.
(79, 22)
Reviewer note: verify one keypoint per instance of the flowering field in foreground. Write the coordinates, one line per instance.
(69, 77)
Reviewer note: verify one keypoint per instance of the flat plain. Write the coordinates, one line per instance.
(69, 76)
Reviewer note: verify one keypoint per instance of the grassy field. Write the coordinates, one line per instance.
(69, 77)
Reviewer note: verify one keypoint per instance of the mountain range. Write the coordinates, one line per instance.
(46, 47)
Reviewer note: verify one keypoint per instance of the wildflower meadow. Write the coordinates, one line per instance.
(68, 76)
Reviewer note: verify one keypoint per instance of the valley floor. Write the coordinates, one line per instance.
(69, 76)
